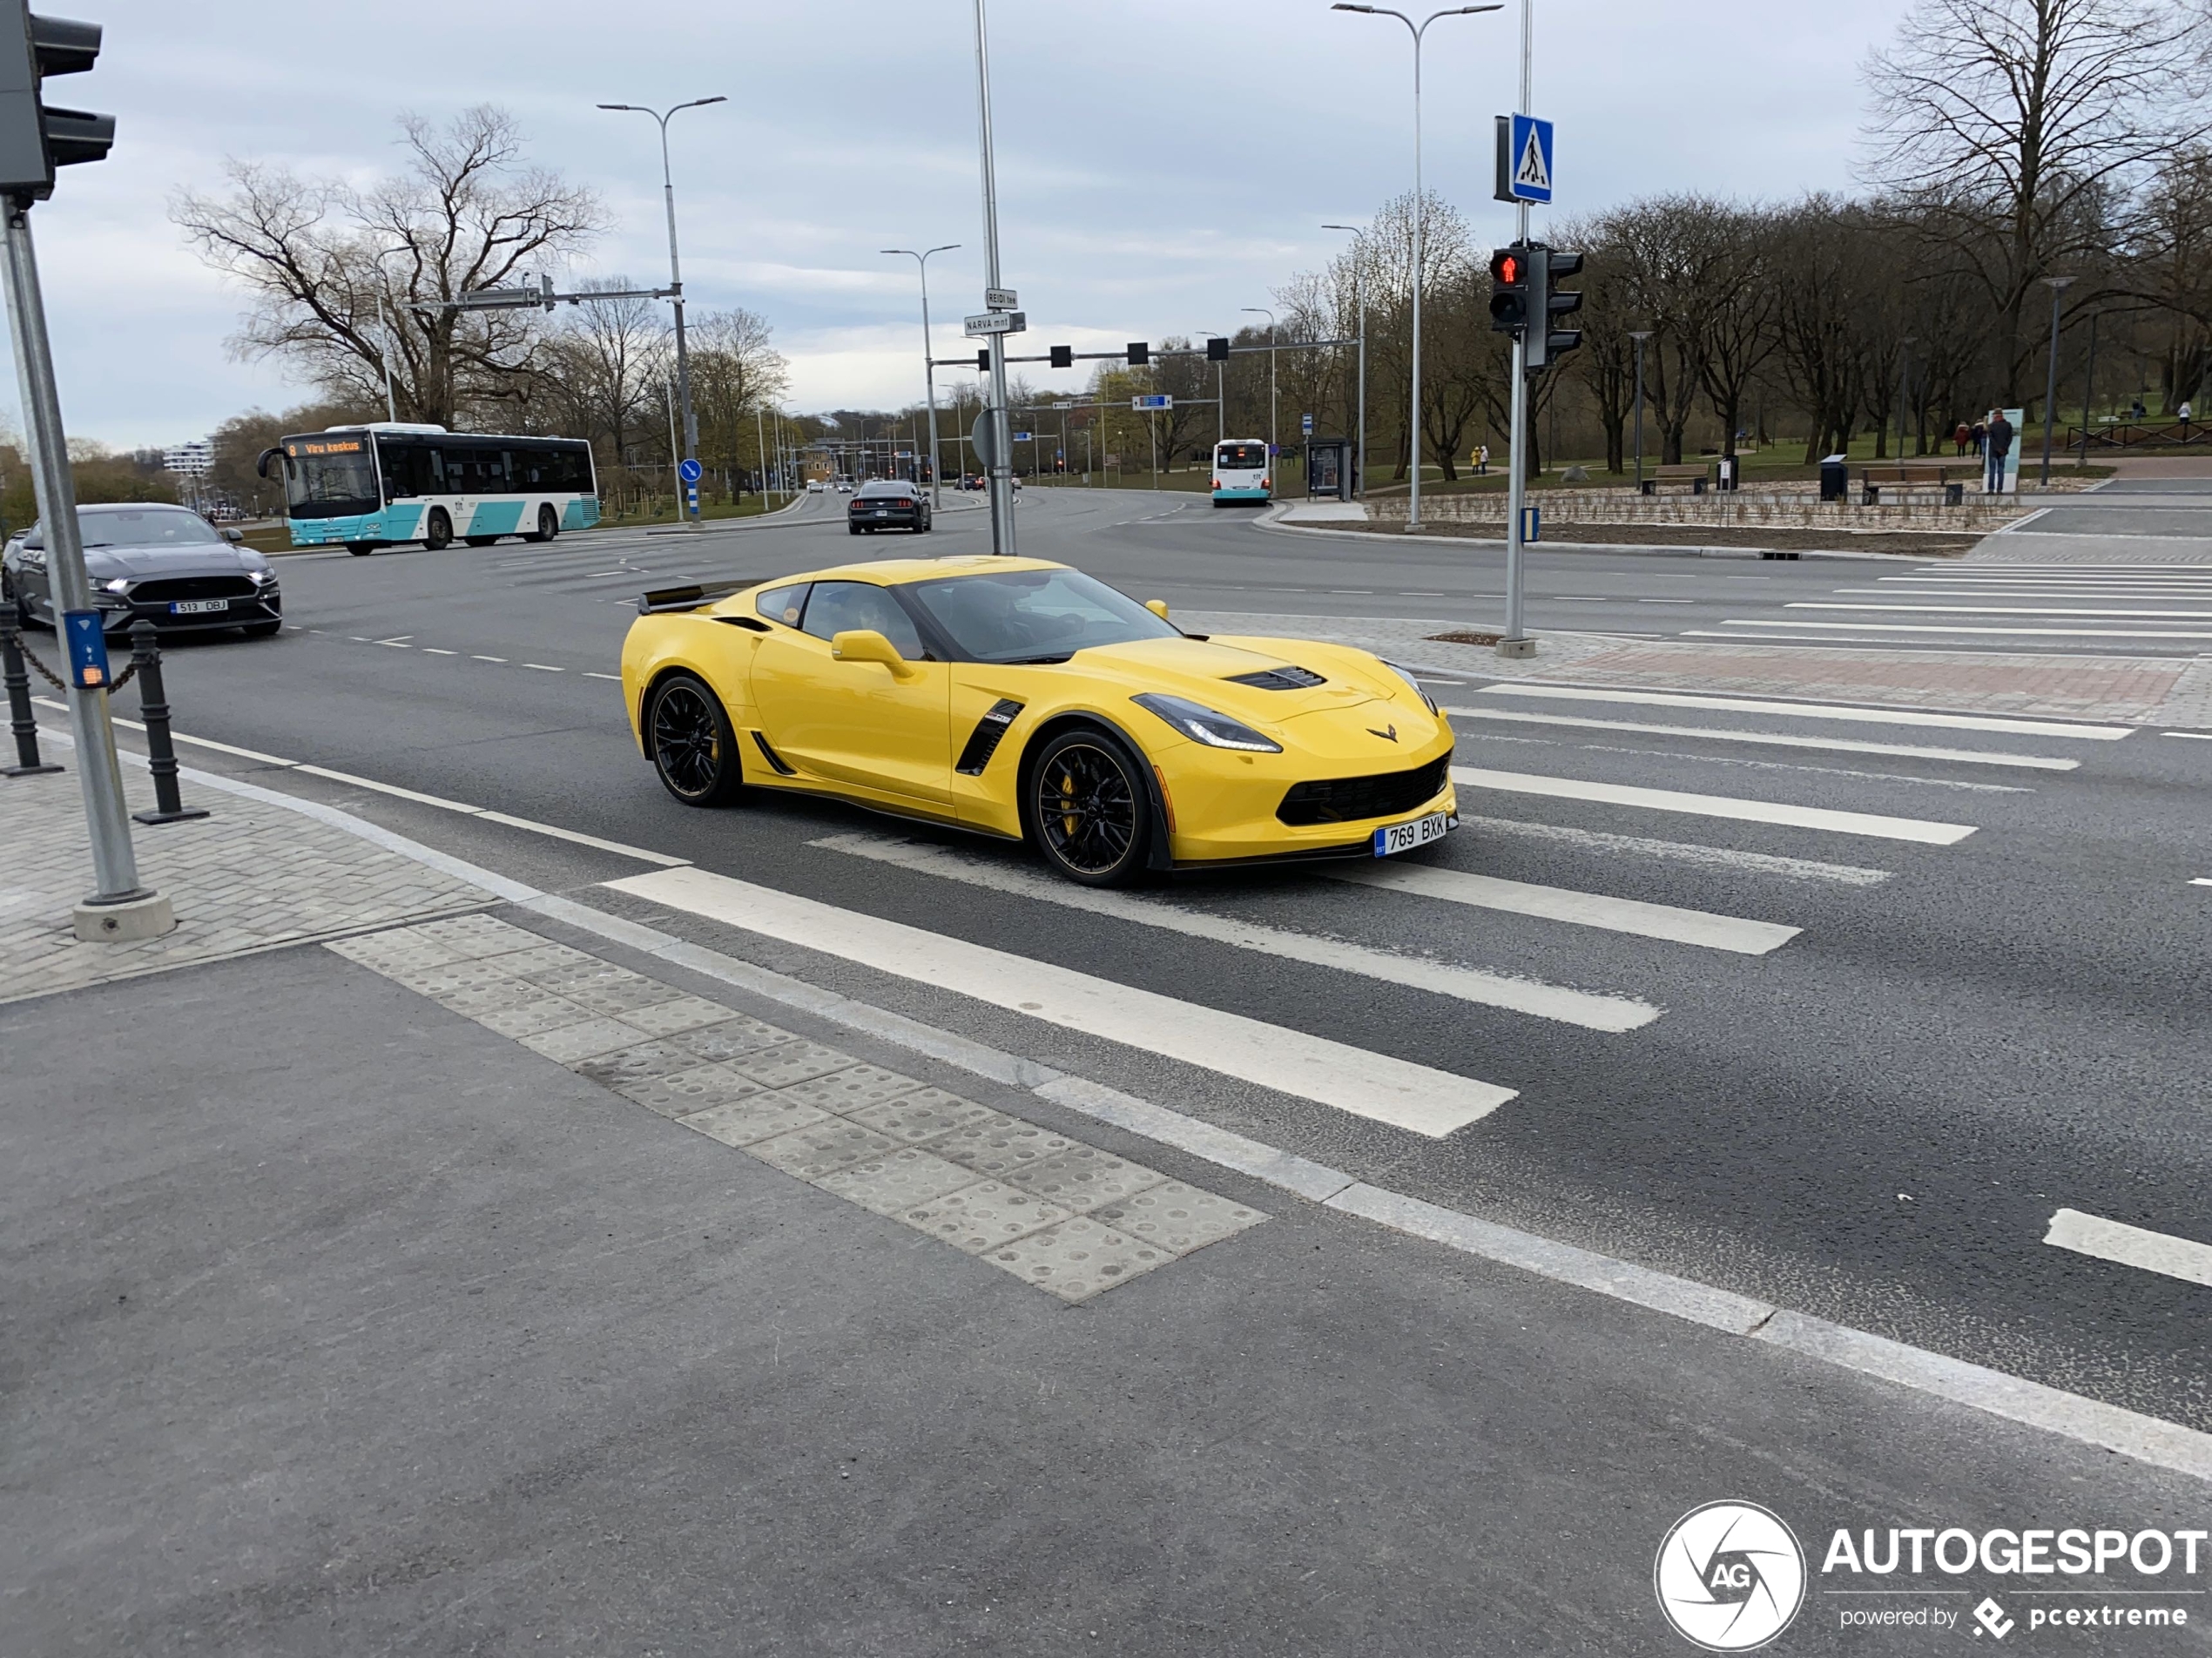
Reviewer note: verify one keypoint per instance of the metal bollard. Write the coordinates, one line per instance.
(21, 720)
(153, 708)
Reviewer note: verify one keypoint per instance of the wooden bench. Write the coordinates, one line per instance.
(1692, 476)
(1906, 483)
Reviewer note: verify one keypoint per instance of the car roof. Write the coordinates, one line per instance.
(898, 572)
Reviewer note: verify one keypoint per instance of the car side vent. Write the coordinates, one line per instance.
(1280, 679)
(983, 741)
(750, 624)
(783, 769)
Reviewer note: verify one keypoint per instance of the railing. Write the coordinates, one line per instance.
(2139, 435)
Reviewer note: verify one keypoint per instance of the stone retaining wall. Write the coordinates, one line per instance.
(1741, 510)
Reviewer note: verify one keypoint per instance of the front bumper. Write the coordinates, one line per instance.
(1223, 805)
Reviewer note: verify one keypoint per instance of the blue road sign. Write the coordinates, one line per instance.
(690, 471)
(1305, 424)
(1530, 159)
(1021, 438)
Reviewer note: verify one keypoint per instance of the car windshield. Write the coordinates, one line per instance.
(155, 527)
(1241, 457)
(1033, 616)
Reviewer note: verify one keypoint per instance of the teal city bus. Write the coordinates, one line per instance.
(387, 484)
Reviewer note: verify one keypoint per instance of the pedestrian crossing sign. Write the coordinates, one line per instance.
(1524, 158)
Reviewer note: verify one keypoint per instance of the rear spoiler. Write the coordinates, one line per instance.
(696, 596)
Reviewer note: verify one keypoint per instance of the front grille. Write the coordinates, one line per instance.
(1350, 799)
(193, 587)
(1280, 679)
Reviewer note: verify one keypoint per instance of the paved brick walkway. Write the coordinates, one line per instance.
(249, 877)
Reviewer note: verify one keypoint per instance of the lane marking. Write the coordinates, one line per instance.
(616, 677)
(2177, 1257)
(433, 651)
(2000, 610)
(1831, 745)
(477, 658)
(1581, 909)
(543, 667)
(1613, 1014)
(1926, 647)
(1352, 1080)
(1960, 784)
(198, 742)
(2195, 737)
(2201, 881)
(399, 639)
(1818, 711)
(1717, 805)
(1922, 627)
(1680, 851)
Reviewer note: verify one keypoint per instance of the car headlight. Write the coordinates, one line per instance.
(1203, 725)
(1406, 674)
(120, 585)
(262, 578)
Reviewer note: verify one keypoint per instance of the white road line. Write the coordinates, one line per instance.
(2195, 737)
(2201, 881)
(588, 674)
(1352, 1080)
(433, 651)
(543, 667)
(399, 639)
(581, 839)
(2000, 610)
(1610, 1014)
(198, 742)
(1840, 626)
(1582, 909)
(1771, 739)
(476, 658)
(394, 789)
(1818, 711)
(1680, 851)
(1718, 805)
(1862, 642)
(2177, 1257)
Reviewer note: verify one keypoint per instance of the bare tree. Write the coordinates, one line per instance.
(736, 370)
(466, 213)
(2026, 123)
(603, 371)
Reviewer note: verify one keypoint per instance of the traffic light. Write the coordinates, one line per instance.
(1063, 356)
(1509, 303)
(1140, 353)
(35, 138)
(1547, 267)
(983, 360)
(1216, 349)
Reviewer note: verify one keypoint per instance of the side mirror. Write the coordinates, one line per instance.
(865, 644)
(1158, 607)
(233, 536)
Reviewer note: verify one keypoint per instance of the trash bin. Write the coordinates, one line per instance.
(1834, 477)
(1724, 473)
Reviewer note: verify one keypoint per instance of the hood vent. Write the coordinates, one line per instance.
(1280, 679)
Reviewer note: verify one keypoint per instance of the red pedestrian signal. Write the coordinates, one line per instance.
(1509, 290)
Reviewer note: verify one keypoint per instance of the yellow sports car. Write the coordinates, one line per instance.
(1021, 698)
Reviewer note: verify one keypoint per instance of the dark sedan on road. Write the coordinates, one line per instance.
(888, 503)
(166, 564)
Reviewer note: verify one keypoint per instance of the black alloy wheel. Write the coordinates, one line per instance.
(437, 530)
(694, 750)
(1088, 811)
(548, 525)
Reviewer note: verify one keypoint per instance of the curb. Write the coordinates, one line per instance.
(1273, 521)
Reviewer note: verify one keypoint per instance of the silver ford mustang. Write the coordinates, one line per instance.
(166, 564)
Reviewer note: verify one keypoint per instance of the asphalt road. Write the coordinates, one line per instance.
(1993, 1009)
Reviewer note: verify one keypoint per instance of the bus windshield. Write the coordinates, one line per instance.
(330, 477)
(1241, 457)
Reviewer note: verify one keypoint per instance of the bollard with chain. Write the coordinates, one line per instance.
(21, 720)
(153, 708)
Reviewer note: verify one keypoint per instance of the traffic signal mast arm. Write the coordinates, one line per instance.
(1061, 357)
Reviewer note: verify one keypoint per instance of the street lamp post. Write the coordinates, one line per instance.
(928, 368)
(1220, 397)
(1640, 335)
(2059, 286)
(675, 266)
(1420, 216)
(1274, 405)
(1360, 299)
(1000, 472)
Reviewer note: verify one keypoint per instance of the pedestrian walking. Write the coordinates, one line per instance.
(2000, 445)
(2184, 412)
(1482, 459)
(1980, 437)
(1963, 436)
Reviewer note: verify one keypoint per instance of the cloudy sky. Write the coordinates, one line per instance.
(1162, 162)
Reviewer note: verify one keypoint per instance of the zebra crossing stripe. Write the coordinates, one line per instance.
(1580, 909)
(1715, 806)
(1354, 1080)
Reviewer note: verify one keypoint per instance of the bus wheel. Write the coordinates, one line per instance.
(361, 549)
(437, 532)
(548, 526)
(480, 541)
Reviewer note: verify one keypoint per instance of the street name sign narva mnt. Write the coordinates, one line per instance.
(997, 322)
(1525, 171)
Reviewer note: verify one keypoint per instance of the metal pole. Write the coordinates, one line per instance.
(1516, 642)
(115, 867)
(391, 408)
(1640, 338)
(2089, 390)
(1001, 468)
(929, 366)
(1904, 392)
(761, 451)
(2059, 286)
